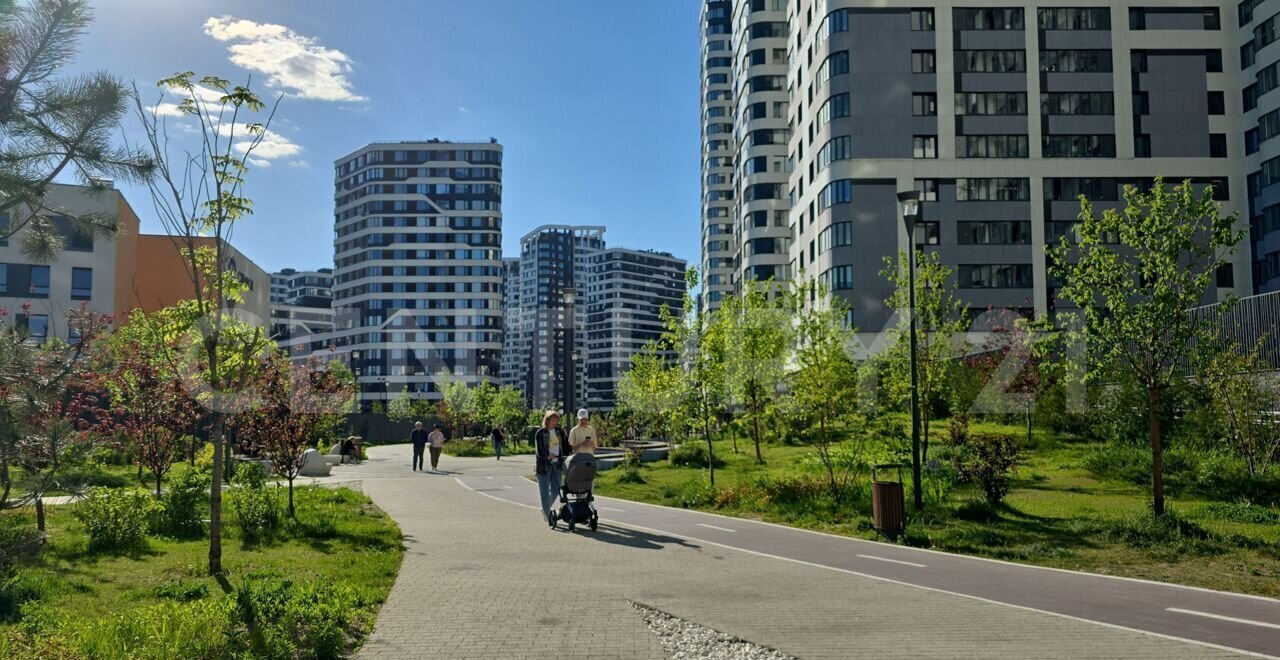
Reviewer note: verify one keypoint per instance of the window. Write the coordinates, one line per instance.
(837, 278)
(1251, 141)
(1247, 55)
(924, 105)
(923, 61)
(999, 232)
(1079, 146)
(836, 21)
(836, 149)
(81, 283)
(928, 189)
(836, 64)
(837, 106)
(836, 192)
(1141, 103)
(39, 282)
(1217, 103)
(1245, 9)
(993, 190)
(991, 146)
(1075, 61)
(991, 61)
(1225, 276)
(1266, 32)
(36, 326)
(988, 18)
(4, 278)
(922, 20)
(1268, 78)
(995, 276)
(1075, 18)
(924, 146)
(927, 233)
(1175, 18)
(1142, 146)
(991, 103)
(1268, 125)
(837, 235)
(4, 229)
(1070, 190)
(1217, 145)
(766, 83)
(1079, 103)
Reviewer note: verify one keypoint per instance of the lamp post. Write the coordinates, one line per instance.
(910, 201)
(567, 296)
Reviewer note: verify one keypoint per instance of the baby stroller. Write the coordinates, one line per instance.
(576, 500)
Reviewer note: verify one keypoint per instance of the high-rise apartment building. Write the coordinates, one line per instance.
(545, 349)
(719, 144)
(1001, 116)
(624, 301)
(301, 305)
(417, 278)
(1259, 28)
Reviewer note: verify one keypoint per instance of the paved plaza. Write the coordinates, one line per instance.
(483, 577)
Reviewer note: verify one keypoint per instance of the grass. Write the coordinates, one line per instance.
(339, 537)
(1057, 514)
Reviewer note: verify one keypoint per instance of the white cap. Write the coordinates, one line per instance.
(582, 413)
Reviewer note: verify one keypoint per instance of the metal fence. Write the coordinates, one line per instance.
(1249, 322)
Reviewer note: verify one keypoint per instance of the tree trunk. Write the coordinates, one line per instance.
(711, 450)
(292, 514)
(40, 513)
(755, 426)
(1030, 403)
(1157, 457)
(215, 499)
(140, 479)
(159, 476)
(826, 455)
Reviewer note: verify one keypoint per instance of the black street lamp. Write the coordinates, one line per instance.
(570, 376)
(910, 201)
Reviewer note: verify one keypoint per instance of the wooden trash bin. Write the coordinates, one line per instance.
(888, 504)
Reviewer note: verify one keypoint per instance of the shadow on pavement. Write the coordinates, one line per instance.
(632, 538)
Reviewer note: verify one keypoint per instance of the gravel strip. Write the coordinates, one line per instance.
(685, 640)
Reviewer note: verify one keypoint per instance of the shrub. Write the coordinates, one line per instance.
(311, 620)
(116, 518)
(256, 508)
(987, 462)
(975, 511)
(202, 629)
(468, 447)
(1169, 534)
(1242, 512)
(204, 459)
(692, 454)
(182, 590)
(694, 493)
(182, 515)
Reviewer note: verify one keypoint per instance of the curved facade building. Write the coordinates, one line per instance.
(417, 280)
(718, 148)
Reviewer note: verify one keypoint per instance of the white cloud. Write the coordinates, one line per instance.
(464, 110)
(260, 162)
(292, 62)
(301, 164)
(207, 96)
(273, 146)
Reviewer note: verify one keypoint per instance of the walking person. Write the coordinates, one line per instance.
(550, 447)
(582, 438)
(498, 442)
(435, 442)
(418, 436)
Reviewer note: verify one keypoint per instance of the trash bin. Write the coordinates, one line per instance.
(888, 504)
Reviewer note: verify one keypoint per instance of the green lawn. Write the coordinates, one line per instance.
(340, 537)
(1057, 514)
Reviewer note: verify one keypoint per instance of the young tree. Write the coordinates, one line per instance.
(1014, 366)
(507, 409)
(403, 408)
(297, 406)
(51, 408)
(1245, 396)
(480, 403)
(454, 406)
(151, 411)
(651, 389)
(940, 321)
(1135, 272)
(51, 125)
(699, 349)
(823, 385)
(199, 198)
(756, 335)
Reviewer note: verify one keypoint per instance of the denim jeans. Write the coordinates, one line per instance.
(549, 486)
(417, 457)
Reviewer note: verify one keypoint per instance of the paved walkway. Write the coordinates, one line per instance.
(483, 577)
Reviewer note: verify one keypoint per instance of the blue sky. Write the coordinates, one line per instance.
(595, 102)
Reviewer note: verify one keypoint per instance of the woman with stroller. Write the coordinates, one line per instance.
(551, 446)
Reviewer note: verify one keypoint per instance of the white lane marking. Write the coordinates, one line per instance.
(952, 555)
(723, 529)
(1220, 617)
(488, 477)
(892, 561)
(1211, 645)
(980, 599)
(609, 508)
(506, 486)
